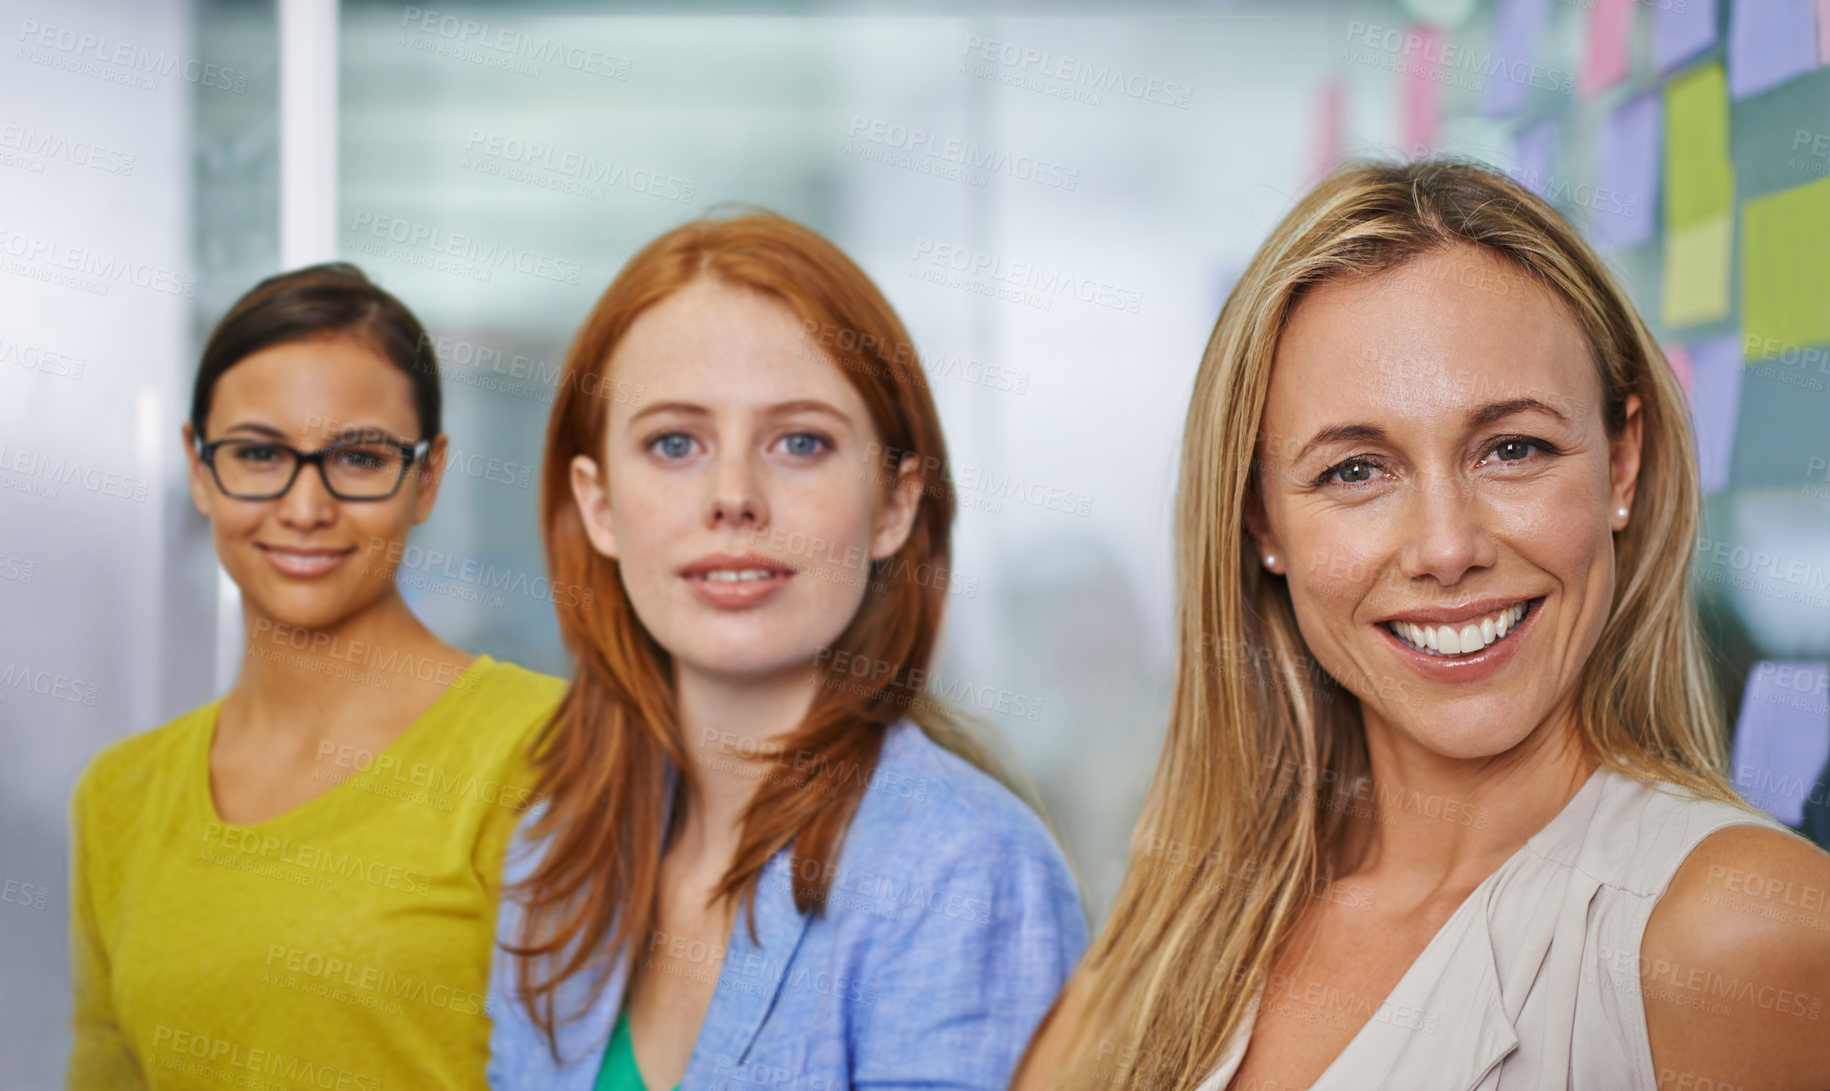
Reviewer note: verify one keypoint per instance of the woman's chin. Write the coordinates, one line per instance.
(1460, 736)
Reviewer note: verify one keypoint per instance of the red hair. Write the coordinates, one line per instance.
(604, 759)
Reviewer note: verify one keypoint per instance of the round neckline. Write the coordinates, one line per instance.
(204, 795)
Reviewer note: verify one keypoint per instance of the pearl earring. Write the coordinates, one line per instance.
(1270, 559)
(1620, 513)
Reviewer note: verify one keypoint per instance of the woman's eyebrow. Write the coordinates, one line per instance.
(806, 405)
(1477, 418)
(653, 408)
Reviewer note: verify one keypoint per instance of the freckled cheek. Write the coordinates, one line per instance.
(832, 514)
(1338, 571)
(1561, 528)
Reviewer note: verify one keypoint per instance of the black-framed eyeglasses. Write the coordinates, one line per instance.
(263, 469)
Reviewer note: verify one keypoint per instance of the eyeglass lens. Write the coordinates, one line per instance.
(357, 470)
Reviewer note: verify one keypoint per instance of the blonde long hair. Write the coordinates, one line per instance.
(1236, 833)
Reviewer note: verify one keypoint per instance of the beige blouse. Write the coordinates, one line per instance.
(1533, 983)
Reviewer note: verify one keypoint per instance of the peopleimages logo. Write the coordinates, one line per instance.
(924, 147)
(1441, 55)
(513, 46)
(466, 248)
(1077, 71)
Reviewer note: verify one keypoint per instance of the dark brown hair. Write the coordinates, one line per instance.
(321, 302)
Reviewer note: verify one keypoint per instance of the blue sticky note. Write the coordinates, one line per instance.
(1534, 153)
(1626, 178)
(1769, 42)
(1517, 27)
(1681, 31)
(1782, 737)
(1715, 386)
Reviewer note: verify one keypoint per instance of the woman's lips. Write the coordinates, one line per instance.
(1466, 668)
(737, 590)
(304, 563)
(735, 582)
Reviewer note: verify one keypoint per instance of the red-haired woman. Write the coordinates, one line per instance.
(766, 856)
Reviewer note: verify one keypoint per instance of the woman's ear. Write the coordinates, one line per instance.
(1259, 534)
(1623, 472)
(202, 493)
(429, 476)
(593, 501)
(896, 519)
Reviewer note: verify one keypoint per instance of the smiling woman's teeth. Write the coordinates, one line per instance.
(726, 575)
(1459, 639)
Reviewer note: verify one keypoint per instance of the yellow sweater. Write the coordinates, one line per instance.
(343, 945)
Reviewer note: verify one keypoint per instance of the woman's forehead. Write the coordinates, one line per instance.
(1430, 340)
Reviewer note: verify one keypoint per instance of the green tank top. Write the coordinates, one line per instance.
(619, 1072)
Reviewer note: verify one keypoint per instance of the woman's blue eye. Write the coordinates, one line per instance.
(803, 444)
(1518, 445)
(673, 445)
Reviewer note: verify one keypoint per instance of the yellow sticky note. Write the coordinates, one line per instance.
(1785, 282)
(1696, 271)
(1699, 177)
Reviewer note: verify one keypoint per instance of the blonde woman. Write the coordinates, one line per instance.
(1441, 803)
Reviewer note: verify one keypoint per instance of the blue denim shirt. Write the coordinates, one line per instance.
(952, 922)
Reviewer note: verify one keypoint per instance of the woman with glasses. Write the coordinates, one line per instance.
(295, 884)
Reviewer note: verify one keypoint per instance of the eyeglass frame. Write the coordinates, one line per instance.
(412, 452)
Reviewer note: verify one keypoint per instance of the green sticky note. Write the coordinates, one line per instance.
(1785, 299)
(1696, 271)
(1699, 176)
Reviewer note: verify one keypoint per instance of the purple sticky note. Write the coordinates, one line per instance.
(1681, 31)
(1517, 27)
(1769, 42)
(1627, 172)
(1782, 737)
(1716, 387)
(1534, 151)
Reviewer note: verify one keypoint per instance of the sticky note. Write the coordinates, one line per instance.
(1420, 91)
(1699, 178)
(1681, 31)
(1626, 177)
(1785, 269)
(1604, 59)
(1823, 31)
(1782, 736)
(1679, 358)
(1716, 382)
(1517, 27)
(1769, 42)
(1534, 153)
(1696, 271)
(1330, 112)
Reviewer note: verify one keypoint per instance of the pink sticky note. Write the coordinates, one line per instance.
(1823, 31)
(1605, 61)
(1679, 356)
(1420, 92)
(1330, 108)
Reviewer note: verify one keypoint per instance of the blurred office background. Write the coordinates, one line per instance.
(157, 157)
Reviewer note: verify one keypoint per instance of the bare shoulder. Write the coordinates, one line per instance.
(1058, 1031)
(1735, 964)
